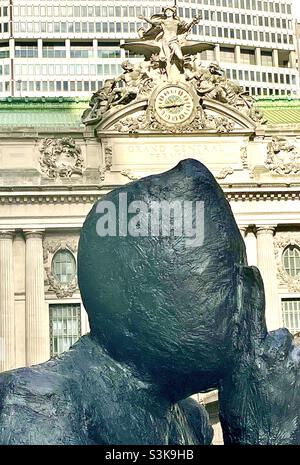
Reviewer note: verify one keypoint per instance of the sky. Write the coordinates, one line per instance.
(297, 8)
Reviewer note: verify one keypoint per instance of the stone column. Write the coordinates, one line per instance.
(258, 56)
(268, 268)
(293, 59)
(123, 52)
(275, 58)
(217, 53)
(7, 303)
(251, 248)
(11, 48)
(68, 48)
(37, 318)
(95, 48)
(13, 85)
(237, 54)
(19, 253)
(40, 48)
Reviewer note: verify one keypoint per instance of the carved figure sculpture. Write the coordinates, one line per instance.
(167, 38)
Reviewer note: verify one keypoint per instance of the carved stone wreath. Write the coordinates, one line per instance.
(49, 250)
(282, 157)
(61, 158)
(280, 244)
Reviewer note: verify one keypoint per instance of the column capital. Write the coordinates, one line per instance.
(34, 233)
(265, 230)
(243, 229)
(7, 233)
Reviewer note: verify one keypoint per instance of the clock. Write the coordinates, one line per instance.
(174, 104)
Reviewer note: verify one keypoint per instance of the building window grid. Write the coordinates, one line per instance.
(187, 12)
(54, 51)
(26, 51)
(65, 327)
(291, 314)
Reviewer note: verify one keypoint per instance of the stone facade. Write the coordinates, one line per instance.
(42, 213)
(170, 107)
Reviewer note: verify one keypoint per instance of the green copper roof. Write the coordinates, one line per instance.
(280, 110)
(64, 113)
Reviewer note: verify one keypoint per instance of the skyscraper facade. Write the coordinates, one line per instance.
(68, 48)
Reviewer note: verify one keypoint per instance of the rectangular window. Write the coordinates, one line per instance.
(291, 314)
(81, 50)
(26, 50)
(65, 327)
(4, 50)
(227, 54)
(54, 50)
(109, 53)
(248, 57)
(266, 58)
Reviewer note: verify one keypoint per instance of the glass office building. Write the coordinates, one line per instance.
(69, 47)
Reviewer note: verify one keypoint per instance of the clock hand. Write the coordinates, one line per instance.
(172, 105)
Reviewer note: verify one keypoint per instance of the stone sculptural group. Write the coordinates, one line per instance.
(169, 57)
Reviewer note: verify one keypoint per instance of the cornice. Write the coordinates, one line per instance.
(264, 192)
(255, 196)
(234, 194)
(47, 199)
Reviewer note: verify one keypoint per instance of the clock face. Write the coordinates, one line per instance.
(174, 105)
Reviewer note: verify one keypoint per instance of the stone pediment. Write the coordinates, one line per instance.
(208, 116)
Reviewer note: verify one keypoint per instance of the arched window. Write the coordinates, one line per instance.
(291, 260)
(64, 266)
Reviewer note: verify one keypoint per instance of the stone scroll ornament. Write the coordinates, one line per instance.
(170, 316)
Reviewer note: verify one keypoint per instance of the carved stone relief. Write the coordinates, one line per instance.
(60, 158)
(50, 248)
(108, 151)
(147, 121)
(130, 175)
(281, 241)
(224, 173)
(283, 157)
(244, 159)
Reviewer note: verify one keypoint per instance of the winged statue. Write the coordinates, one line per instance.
(167, 38)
